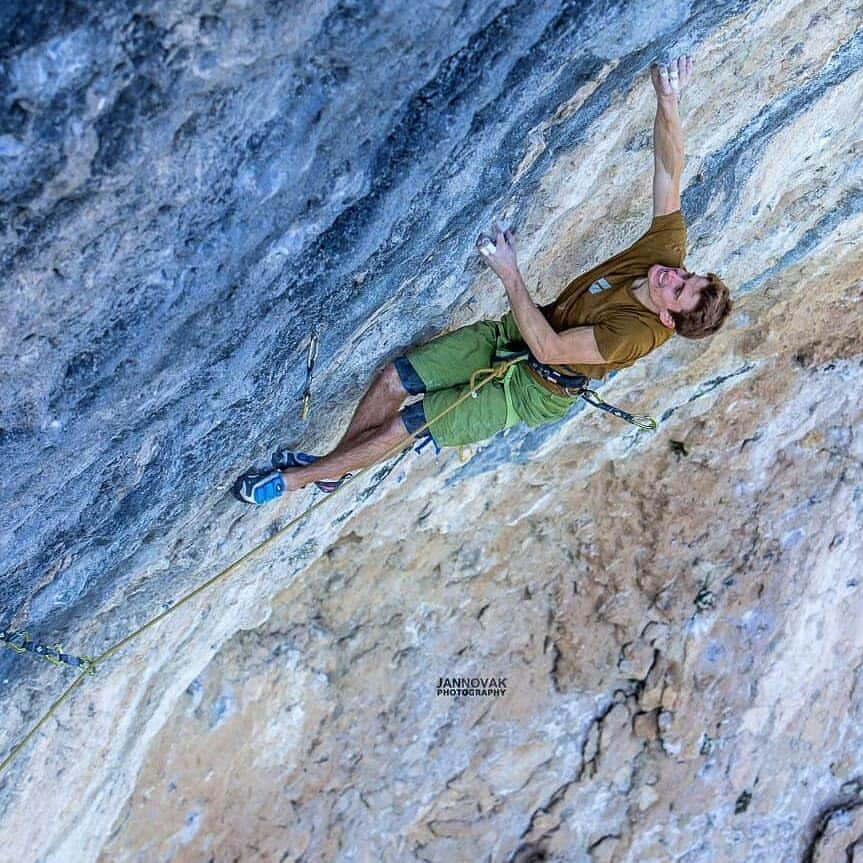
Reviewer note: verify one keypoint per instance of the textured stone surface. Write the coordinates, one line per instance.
(186, 190)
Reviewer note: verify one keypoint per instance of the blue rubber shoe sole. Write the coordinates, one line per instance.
(259, 488)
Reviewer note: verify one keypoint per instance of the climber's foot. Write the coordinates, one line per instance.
(258, 488)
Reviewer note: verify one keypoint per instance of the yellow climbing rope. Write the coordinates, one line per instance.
(484, 376)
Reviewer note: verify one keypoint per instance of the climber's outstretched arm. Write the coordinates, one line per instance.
(669, 83)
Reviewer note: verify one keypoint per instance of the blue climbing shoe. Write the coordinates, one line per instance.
(257, 488)
(287, 458)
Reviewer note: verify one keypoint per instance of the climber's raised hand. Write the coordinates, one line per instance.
(671, 80)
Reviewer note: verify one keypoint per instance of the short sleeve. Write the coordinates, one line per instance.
(623, 339)
(664, 242)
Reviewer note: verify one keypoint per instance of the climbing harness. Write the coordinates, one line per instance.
(20, 642)
(310, 367)
(579, 385)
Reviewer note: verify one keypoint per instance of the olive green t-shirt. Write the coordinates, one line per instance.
(602, 298)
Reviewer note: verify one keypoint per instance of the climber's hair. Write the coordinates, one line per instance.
(714, 306)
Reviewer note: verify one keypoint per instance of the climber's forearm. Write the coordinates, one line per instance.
(668, 137)
(536, 331)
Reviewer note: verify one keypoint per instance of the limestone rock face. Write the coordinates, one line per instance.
(187, 191)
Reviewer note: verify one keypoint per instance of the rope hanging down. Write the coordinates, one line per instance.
(89, 665)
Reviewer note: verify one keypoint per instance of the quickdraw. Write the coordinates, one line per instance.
(642, 421)
(20, 642)
(310, 367)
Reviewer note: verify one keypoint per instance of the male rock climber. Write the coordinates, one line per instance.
(604, 320)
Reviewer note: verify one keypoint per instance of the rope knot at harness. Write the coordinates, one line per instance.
(495, 372)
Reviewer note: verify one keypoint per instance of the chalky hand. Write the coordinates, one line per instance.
(670, 81)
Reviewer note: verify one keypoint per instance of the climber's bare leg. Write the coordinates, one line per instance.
(381, 402)
(366, 448)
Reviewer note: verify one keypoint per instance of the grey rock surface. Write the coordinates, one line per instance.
(188, 190)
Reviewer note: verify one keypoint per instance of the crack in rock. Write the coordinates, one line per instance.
(829, 822)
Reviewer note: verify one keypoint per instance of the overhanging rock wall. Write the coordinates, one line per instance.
(187, 191)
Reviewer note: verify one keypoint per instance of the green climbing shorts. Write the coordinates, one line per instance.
(442, 368)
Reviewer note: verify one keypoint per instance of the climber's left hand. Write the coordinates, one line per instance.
(503, 259)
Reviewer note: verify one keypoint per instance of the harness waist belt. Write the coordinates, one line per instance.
(565, 382)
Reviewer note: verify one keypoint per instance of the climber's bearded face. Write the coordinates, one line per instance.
(674, 289)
